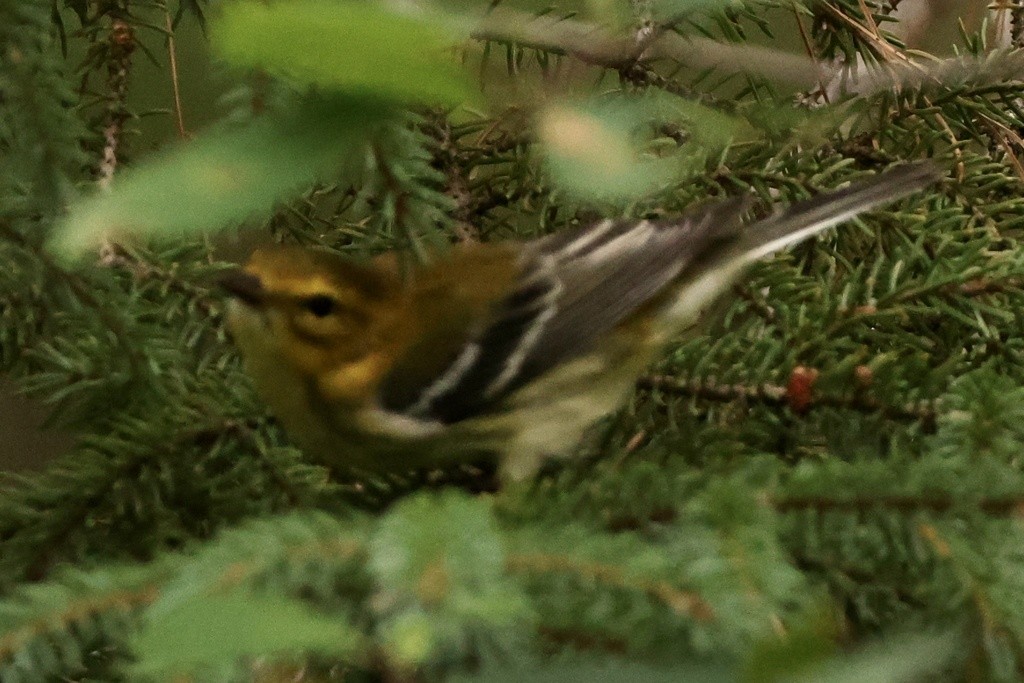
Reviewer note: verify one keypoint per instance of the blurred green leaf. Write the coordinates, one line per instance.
(709, 128)
(223, 177)
(350, 46)
(214, 630)
(597, 150)
(422, 531)
(612, 671)
(592, 156)
(807, 654)
(899, 659)
(673, 10)
(440, 567)
(808, 642)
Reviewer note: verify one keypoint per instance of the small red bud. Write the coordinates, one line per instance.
(864, 376)
(800, 388)
(636, 441)
(121, 34)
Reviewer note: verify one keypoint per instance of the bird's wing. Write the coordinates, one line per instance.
(575, 287)
(612, 269)
(488, 353)
(571, 289)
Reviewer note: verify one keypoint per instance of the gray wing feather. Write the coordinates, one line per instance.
(574, 286)
(578, 285)
(493, 357)
(614, 275)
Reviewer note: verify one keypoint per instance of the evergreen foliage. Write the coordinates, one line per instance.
(823, 483)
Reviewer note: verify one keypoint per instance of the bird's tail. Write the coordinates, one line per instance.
(807, 218)
(702, 285)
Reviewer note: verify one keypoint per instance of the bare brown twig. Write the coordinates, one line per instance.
(678, 600)
(121, 46)
(598, 47)
(1010, 505)
(777, 395)
(172, 58)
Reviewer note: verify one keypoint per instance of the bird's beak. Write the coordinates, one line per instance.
(245, 287)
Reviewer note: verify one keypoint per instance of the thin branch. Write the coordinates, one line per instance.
(1017, 24)
(84, 291)
(869, 19)
(809, 49)
(643, 76)
(678, 600)
(1009, 505)
(172, 57)
(116, 256)
(779, 396)
(598, 47)
(75, 612)
(1007, 138)
(961, 167)
(121, 45)
(882, 47)
(44, 555)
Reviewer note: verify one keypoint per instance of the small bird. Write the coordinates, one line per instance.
(507, 350)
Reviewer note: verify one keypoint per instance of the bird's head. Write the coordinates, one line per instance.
(311, 313)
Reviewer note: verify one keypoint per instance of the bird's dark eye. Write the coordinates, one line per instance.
(320, 305)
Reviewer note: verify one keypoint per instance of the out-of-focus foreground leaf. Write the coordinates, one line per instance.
(217, 629)
(355, 47)
(222, 177)
(601, 150)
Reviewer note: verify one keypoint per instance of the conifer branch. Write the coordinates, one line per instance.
(580, 640)
(46, 154)
(339, 549)
(977, 587)
(869, 34)
(42, 542)
(172, 59)
(594, 46)
(37, 564)
(757, 302)
(73, 614)
(698, 546)
(854, 575)
(677, 600)
(81, 289)
(454, 166)
(782, 396)
(116, 256)
(643, 76)
(999, 506)
(121, 46)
